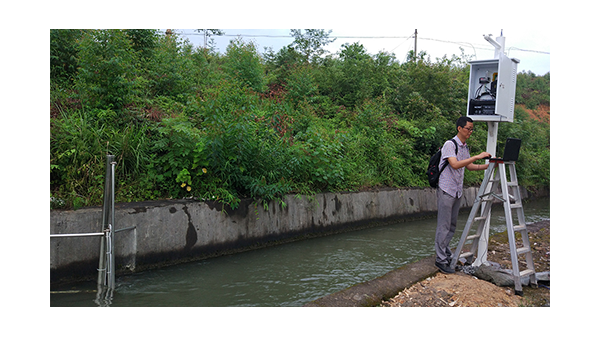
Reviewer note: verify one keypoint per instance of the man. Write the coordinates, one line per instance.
(450, 188)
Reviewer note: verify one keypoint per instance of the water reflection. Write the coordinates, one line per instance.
(104, 296)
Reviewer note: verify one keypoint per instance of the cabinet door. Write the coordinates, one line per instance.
(506, 87)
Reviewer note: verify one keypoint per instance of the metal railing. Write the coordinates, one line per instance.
(77, 235)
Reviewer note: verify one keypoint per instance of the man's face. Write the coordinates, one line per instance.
(467, 130)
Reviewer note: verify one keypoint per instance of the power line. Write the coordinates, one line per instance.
(464, 44)
(257, 36)
(528, 50)
(460, 43)
(290, 37)
(402, 43)
(483, 48)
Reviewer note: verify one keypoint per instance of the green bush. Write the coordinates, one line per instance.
(300, 85)
(244, 64)
(176, 151)
(192, 123)
(533, 90)
(63, 55)
(168, 69)
(107, 69)
(78, 148)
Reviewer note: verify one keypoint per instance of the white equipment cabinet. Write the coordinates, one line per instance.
(492, 86)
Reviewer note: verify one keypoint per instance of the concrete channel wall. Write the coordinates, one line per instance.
(175, 231)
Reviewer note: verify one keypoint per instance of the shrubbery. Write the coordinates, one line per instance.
(185, 122)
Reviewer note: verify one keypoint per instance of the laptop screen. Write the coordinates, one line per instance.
(511, 149)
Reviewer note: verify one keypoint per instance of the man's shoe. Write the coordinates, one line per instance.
(444, 268)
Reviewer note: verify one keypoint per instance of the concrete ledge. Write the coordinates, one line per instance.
(176, 231)
(371, 293)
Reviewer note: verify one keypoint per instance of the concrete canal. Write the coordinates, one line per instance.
(291, 274)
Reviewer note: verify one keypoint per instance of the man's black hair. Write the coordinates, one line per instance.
(462, 121)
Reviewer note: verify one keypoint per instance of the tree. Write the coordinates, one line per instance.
(244, 63)
(170, 70)
(208, 33)
(279, 66)
(107, 68)
(356, 68)
(63, 54)
(143, 41)
(311, 43)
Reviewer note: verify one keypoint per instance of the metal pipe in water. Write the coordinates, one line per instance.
(111, 283)
(102, 262)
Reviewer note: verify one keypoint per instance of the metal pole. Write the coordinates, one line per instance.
(101, 263)
(110, 280)
(107, 190)
(415, 45)
(112, 226)
(492, 140)
(501, 40)
(105, 221)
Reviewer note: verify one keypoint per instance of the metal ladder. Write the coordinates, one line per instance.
(488, 193)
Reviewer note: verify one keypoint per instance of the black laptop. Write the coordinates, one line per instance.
(511, 151)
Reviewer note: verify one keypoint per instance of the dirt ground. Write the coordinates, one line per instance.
(463, 290)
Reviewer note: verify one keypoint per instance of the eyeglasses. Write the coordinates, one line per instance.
(469, 129)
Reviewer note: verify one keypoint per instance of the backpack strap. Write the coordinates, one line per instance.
(456, 148)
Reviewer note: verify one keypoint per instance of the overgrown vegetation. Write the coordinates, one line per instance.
(190, 122)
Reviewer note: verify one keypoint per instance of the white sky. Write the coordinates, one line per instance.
(435, 41)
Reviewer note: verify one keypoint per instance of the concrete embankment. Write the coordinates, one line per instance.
(176, 231)
(372, 292)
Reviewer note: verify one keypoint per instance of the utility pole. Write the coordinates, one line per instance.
(415, 53)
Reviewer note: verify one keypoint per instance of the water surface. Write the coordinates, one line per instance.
(291, 274)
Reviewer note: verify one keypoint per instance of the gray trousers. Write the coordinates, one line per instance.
(448, 208)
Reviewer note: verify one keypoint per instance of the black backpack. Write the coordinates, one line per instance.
(433, 170)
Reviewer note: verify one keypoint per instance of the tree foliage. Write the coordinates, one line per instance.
(311, 43)
(107, 69)
(187, 122)
(533, 90)
(244, 64)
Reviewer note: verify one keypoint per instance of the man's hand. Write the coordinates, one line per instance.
(484, 154)
(454, 163)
